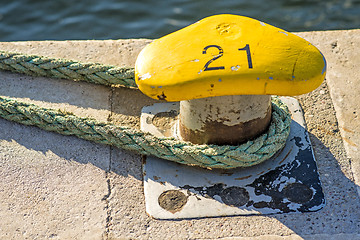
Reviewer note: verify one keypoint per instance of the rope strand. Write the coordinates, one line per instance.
(34, 65)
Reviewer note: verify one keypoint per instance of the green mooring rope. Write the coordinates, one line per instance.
(211, 156)
(39, 66)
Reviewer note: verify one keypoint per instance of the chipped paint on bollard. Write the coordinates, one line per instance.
(288, 182)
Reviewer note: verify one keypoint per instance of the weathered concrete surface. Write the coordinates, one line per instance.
(51, 186)
(297, 237)
(113, 52)
(67, 188)
(343, 79)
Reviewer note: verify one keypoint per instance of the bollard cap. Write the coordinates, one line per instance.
(228, 55)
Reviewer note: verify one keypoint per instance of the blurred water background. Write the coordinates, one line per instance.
(114, 19)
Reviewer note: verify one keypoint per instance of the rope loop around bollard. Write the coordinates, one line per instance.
(207, 156)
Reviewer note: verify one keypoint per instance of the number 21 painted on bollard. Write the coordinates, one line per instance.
(221, 53)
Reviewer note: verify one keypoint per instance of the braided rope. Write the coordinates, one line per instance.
(66, 69)
(211, 156)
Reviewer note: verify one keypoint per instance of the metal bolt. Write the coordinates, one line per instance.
(298, 193)
(172, 200)
(235, 196)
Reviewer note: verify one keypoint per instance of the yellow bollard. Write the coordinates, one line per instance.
(226, 55)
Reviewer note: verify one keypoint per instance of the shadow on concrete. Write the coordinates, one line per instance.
(58, 91)
(129, 102)
(341, 213)
(54, 146)
(125, 101)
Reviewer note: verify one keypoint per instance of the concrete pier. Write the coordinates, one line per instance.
(62, 187)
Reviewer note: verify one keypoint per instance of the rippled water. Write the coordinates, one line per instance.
(113, 19)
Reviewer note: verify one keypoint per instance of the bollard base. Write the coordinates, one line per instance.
(288, 182)
(224, 120)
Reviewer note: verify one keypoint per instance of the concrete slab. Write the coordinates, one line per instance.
(83, 99)
(343, 78)
(121, 52)
(51, 186)
(74, 175)
(297, 237)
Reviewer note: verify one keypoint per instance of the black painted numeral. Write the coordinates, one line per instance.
(221, 52)
(247, 49)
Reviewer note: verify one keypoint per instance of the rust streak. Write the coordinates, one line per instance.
(286, 156)
(347, 130)
(242, 178)
(227, 173)
(278, 153)
(350, 142)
